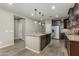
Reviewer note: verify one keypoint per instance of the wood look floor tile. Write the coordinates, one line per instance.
(55, 48)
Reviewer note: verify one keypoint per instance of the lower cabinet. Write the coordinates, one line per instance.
(45, 40)
(72, 47)
(48, 38)
(67, 44)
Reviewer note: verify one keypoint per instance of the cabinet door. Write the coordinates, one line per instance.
(43, 42)
(76, 9)
(74, 48)
(32, 43)
(48, 38)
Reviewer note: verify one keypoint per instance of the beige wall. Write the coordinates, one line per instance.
(6, 28)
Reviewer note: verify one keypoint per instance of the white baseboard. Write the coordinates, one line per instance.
(6, 45)
(33, 50)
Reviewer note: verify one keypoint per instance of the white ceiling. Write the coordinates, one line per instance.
(26, 9)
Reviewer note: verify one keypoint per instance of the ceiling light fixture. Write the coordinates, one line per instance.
(42, 17)
(10, 3)
(35, 22)
(53, 7)
(32, 14)
(39, 23)
(35, 13)
(56, 16)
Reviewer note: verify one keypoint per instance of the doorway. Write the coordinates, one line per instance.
(19, 32)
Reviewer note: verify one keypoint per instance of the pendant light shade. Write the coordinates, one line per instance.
(35, 13)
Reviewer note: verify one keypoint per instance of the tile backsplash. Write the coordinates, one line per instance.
(74, 31)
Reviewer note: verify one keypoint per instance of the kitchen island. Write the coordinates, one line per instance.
(37, 41)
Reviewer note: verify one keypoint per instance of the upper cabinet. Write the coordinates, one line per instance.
(74, 15)
(76, 9)
(71, 12)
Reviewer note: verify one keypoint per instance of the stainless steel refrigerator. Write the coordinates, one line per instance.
(55, 32)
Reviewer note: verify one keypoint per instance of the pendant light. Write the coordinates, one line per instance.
(39, 15)
(39, 18)
(43, 18)
(35, 15)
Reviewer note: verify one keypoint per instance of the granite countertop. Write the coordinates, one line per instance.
(73, 37)
(70, 35)
(37, 34)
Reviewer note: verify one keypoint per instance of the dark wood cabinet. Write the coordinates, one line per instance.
(66, 23)
(48, 37)
(67, 44)
(72, 47)
(74, 15)
(45, 40)
(71, 12)
(76, 9)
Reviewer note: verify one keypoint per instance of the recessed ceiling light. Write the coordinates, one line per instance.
(32, 14)
(53, 7)
(35, 22)
(10, 3)
(56, 16)
(39, 23)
